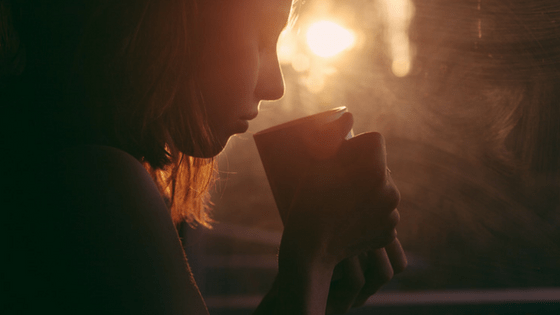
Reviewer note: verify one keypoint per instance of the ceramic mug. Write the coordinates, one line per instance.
(288, 150)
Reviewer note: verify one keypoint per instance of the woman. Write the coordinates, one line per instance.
(98, 92)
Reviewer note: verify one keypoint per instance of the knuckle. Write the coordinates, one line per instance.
(388, 236)
(386, 276)
(398, 268)
(377, 172)
(392, 235)
(358, 283)
(393, 197)
(394, 219)
(378, 175)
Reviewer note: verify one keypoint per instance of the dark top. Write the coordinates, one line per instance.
(90, 234)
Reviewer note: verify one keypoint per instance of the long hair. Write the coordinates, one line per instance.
(118, 73)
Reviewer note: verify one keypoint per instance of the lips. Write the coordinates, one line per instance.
(250, 116)
(243, 122)
(241, 126)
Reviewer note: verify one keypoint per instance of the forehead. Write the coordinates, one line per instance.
(280, 6)
(248, 8)
(241, 18)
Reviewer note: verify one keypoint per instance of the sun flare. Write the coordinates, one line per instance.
(327, 39)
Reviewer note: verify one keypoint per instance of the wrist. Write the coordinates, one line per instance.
(304, 246)
(304, 260)
(303, 279)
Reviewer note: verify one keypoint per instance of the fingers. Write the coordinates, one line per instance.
(397, 256)
(357, 278)
(377, 272)
(379, 268)
(391, 191)
(348, 281)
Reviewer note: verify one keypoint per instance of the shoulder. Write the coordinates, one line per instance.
(99, 163)
(108, 189)
(109, 238)
(105, 183)
(97, 152)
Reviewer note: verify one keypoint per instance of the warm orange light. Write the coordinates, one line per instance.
(398, 15)
(287, 47)
(327, 39)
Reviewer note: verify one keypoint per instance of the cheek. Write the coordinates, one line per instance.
(237, 70)
(228, 78)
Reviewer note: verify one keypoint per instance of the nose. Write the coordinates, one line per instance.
(270, 84)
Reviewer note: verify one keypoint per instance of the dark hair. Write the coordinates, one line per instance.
(118, 73)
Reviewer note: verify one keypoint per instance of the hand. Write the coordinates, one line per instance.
(347, 203)
(356, 278)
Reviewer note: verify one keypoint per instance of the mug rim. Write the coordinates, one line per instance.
(301, 120)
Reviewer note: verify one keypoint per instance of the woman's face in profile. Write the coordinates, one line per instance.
(239, 65)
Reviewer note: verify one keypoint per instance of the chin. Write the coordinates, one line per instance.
(220, 138)
(211, 151)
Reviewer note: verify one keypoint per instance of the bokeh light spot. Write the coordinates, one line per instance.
(327, 39)
(301, 62)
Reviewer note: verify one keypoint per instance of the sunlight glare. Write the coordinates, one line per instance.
(301, 62)
(327, 39)
(286, 47)
(399, 13)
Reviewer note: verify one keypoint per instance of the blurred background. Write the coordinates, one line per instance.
(466, 93)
